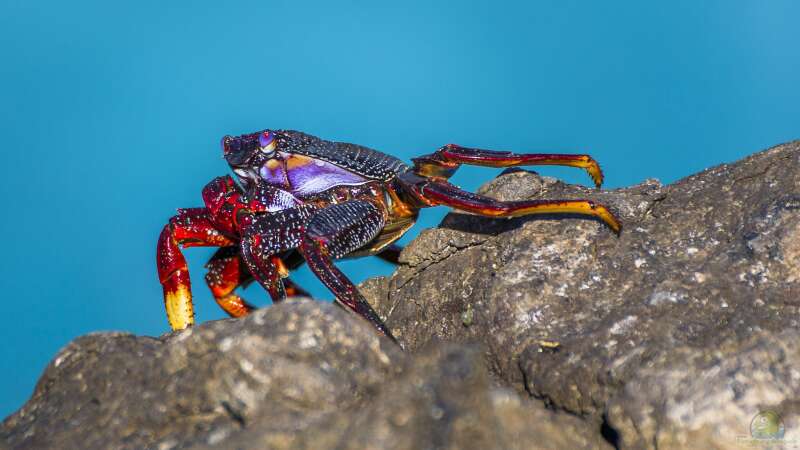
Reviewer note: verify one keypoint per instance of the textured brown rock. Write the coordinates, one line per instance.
(706, 399)
(673, 335)
(442, 400)
(702, 265)
(296, 363)
(302, 374)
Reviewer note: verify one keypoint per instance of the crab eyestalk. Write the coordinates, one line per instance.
(266, 142)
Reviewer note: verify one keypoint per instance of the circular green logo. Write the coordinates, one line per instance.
(767, 425)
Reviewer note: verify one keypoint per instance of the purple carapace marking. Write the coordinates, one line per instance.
(320, 176)
(308, 179)
(275, 177)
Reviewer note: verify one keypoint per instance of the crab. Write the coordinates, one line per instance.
(303, 199)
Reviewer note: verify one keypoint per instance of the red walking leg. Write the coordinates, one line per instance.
(334, 232)
(227, 271)
(434, 192)
(190, 228)
(225, 274)
(447, 159)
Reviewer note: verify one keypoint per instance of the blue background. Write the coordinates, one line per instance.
(111, 116)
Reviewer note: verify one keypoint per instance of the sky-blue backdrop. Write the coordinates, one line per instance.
(111, 115)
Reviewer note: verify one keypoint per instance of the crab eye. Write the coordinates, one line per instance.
(231, 145)
(224, 143)
(234, 152)
(266, 142)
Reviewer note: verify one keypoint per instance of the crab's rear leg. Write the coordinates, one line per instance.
(225, 274)
(227, 271)
(290, 260)
(444, 162)
(433, 192)
(334, 232)
(190, 228)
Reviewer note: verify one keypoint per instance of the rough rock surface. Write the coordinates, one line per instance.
(300, 375)
(674, 334)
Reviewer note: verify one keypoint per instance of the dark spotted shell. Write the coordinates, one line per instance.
(361, 160)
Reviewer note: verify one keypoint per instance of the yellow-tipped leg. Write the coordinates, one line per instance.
(178, 300)
(588, 163)
(595, 172)
(585, 162)
(234, 305)
(192, 227)
(444, 193)
(582, 207)
(445, 161)
(602, 213)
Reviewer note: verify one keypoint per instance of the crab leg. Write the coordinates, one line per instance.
(265, 237)
(264, 269)
(227, 271)
(444, 162)
(292, 260)
(224, 275)
(190, 228)
(444, 193)
(293, 289)
(334, 232)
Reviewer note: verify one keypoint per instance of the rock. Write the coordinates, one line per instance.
(442, 400)
(705, 399)
(537, 332)
(295, 363)
(679, 331)
(301, 374)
